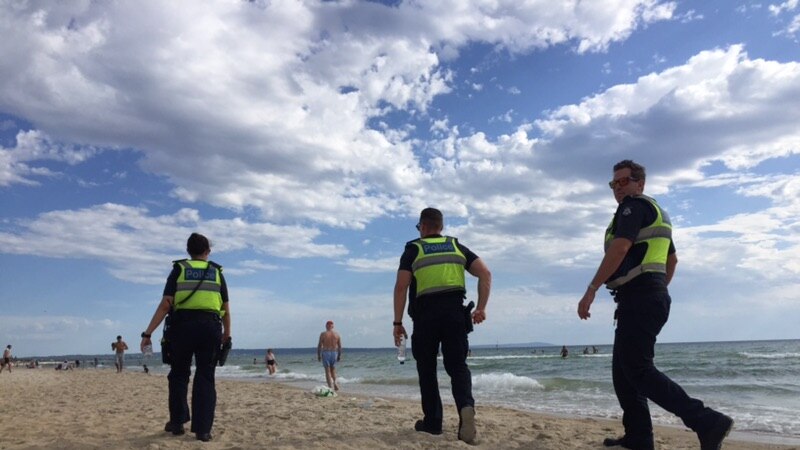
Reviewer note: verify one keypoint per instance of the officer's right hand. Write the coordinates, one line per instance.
(397, 332)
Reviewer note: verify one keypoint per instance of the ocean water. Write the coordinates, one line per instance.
(757, 383)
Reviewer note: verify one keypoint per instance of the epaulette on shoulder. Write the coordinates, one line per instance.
(178, 261)
(214, 265)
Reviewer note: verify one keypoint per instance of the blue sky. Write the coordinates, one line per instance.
(304, 137)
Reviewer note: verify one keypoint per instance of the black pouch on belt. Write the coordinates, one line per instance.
(166, 345)
(225, 348)
(468, 316)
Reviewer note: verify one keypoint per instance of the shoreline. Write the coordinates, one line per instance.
(744, 436)
(87, 408)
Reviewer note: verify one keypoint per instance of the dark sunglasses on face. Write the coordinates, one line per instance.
(622, 182)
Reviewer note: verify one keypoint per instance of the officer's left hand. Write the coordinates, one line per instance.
(585, 304)
(478, 316)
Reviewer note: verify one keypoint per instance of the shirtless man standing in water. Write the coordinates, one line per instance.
(329, 351)
(119, 358)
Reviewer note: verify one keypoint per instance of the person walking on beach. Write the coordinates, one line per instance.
(200, 322)
(431, 274)
(329, 351)
(119, 348)
(6, 359)
(272, 364)
(638, 265)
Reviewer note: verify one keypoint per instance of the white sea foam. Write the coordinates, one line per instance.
(232, 371)
(500, 357)
(296, 376)
(505, 382)
(769, 355)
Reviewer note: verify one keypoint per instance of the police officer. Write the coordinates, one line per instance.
(638, 265)
(432, 273)
(200, 321)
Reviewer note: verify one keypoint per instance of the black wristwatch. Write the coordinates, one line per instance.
(397, 324)
(145, 335)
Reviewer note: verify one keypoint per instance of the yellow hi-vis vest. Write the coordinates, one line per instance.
(656, 236)
(208, 296)
(439, 266)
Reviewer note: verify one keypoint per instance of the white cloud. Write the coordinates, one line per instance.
(249, 266)
(138, 247)
(18, 164)
(506, 117)
(718, 101)
(372, 265)
(718, 106)
(522, 26)
(794, 26)
(690, 16)
(181, 82)
(788, 5)
(60, 334)
(294, 126)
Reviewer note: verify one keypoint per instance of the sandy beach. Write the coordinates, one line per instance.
(88, 408)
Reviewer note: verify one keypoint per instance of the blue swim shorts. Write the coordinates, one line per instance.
(328, 358)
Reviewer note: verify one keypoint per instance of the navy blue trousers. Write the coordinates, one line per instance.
(441, 323)
(201, 339)
(636, 378)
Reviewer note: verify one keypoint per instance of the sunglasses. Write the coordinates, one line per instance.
(622, 182)
(418, 225)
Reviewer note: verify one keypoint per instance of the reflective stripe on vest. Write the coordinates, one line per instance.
(208, 296)
(439, 266)
(657, 237)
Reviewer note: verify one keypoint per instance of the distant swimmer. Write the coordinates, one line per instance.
(329, 351)
(564, 351)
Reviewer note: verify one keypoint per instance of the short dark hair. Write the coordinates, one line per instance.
(197, 244)
(637, 170)
(119, 337)
(432, 217)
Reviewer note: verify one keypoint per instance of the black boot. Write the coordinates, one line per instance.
(712, 438)
(626, 442)
(176, 429)
(420, 426)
